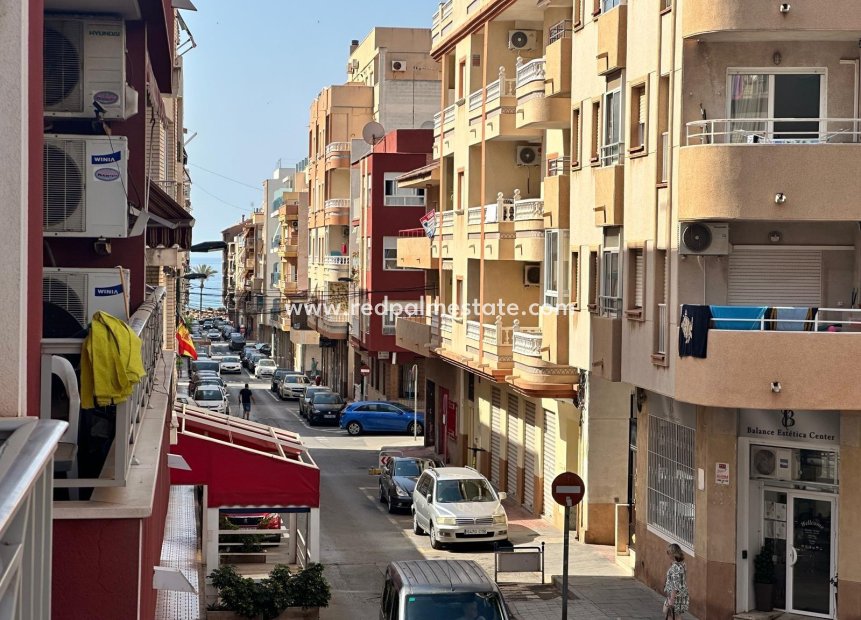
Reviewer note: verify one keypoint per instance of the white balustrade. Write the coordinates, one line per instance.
(532, 71)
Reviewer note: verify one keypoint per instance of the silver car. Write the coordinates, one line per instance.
(458, 505)
(212, 397)
(293, 386)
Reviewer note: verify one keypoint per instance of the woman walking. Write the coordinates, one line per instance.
(676, 587)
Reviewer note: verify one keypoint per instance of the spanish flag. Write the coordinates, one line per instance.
(184, 345)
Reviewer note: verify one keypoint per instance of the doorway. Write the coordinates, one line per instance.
(802, 527)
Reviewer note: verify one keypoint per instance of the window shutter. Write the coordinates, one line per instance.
(641, 95)
(775, 278)
(639, 278)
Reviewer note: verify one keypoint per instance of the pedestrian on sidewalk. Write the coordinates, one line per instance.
(246, 398)
(676, 587)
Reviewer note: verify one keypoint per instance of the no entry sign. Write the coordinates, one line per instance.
(568, 489)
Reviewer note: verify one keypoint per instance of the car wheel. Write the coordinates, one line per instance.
(391, 505)
(312, 421)
(419, 429)
(354, 428)
(417, 529)
(435, 544)
(382, 494)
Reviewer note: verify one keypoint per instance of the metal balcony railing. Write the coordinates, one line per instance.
(532, 71)
(785, 318)
(611, 154)
(560, 30)
(610, 306)
(558, 166)
(663, 328)
(774, 131)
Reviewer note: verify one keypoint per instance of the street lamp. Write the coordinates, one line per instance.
(208, 246)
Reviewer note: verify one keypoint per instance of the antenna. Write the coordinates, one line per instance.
(373, 132)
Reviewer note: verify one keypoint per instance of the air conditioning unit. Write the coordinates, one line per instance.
(85, 185)
(532, 274)
(522, 40)
(70, 297)
(85, 64)
(528, 155)
(349, 68)
(704, 239)
(399, 66)
(772, 463)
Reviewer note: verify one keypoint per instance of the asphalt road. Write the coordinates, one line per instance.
(359, 537)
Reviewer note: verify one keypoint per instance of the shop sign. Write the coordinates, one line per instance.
(722, 474)
(790, 425)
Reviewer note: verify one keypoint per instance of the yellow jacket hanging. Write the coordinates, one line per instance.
(111, 362)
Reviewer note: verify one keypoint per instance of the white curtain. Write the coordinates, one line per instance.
(749, 100)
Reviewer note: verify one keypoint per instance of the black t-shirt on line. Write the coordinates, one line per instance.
(245, 396)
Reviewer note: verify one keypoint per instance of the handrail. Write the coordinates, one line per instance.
(337, 147)
(336, 204)
(821, 322)
(560, 30)
(411, 232)
(340, 261)
(763, 131)
(558, 166)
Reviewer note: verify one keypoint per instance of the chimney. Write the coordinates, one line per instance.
(354, 44)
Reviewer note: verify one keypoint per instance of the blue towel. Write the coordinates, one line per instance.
(790, 319)
(738, 312)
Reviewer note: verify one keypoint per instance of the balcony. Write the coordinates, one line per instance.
(496, 345)
(612, 39)
(609, 188)
(419, 334)
(446, 330)
(337, 212)
(742, 363)
(736, 170)
(741, 20)
(288, 213)
(528, 341)
(414, 250)
(557, 199)
(337, 155)
(540, 357)
(337, 268)
(289, 247)
(442, 22)
(557, 78)
(334, 325)
(534, 109)
(606, 346)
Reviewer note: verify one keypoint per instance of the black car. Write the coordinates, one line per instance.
(276, 376)
(398, 480)
(264, 348)
(237, 343)
(305, 401)
(207, 364)
(252, 359)
(324, 407)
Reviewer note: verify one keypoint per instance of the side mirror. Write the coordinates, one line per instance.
(430, 498)
(502, 495)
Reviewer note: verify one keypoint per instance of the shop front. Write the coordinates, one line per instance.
(789, 486)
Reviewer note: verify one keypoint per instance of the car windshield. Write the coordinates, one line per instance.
(484, 605)
(295, 379)
(410, 469)
(231, 359)
(267, 362)
(208, 394)
(467, 490)
(206, 366)
(327, 399)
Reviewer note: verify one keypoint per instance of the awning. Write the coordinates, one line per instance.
(243, 463)
(169, 224)
(420, 177)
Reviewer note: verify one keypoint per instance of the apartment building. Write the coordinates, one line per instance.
(380, 282)
(391, 81)
(690, 205)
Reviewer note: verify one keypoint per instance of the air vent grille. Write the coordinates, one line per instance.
(64, 186)
(63, 65)
(67, 291)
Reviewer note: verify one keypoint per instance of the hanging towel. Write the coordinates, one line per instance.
(791, 319)
(755, 313)
(111, 362)
(694, 330)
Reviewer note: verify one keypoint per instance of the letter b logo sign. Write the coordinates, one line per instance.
(788, 420)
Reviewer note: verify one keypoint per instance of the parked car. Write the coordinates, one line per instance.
(213, 334)
(324, 407)
(262, 347)
(237, 342)
(199, 378)
(231, 364)
(217, 350)
(211, 380)
(264, 367)
(206, 364)
(252, 360)
(398, 480)
(185, 399)
(379, 416)
(276, 377)
(456, 505)
(304, 402)
(212, 397)
(292, 386)
(440, 589)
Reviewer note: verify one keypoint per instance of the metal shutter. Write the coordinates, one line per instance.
(639, 278)
(548, 452)
(495, 434)
(513, 448)
(529, 454)
(775, 278)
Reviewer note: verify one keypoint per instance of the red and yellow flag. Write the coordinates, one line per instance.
(184, 344)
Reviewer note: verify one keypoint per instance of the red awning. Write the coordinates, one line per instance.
(243, 463)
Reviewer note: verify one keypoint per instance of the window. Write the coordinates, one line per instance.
(394, 196)
(671, 508)
(606, 5)
(578, 13)
(611, 147)
(389, 319)
(610, 302)
(663, 128)
(639, 115)
(575, 138)
(461, 79)
(595, 142)
(575, 279)
(555, 267)
(661, 274)
(636, 282)
(593, 281)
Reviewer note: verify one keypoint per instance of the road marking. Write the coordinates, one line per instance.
(275, 398)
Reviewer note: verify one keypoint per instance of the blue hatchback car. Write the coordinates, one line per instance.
(380, 416)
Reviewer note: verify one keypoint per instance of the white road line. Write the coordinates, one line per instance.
(275, 398)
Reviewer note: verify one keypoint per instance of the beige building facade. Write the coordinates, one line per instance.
(680, 177)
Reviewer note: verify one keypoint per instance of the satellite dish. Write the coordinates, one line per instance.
(427, 125)
(373, 132)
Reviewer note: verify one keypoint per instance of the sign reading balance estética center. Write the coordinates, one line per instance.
(790, 425)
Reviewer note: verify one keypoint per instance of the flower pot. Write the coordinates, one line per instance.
(763, 594)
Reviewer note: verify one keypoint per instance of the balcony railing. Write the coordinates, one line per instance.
(784, 318)
(526, 209)
(437, 121)
(611, 154)
(503, 87)
(336, 261)
(610, 306)
(147, 324)
(558, 166)
(395, 200)
(473, 329)
(445, 219)
(337, 206)
(560, 30)
(338, 148)
(494, 333)
(532, 71)
(774, 131)
(448, 115)
(527, 341)
(443, 12)
(475, 100)
(663, 328)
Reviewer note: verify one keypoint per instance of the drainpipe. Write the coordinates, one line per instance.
(483, 198)
(668, 222)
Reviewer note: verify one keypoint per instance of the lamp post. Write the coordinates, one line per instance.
(201, 277)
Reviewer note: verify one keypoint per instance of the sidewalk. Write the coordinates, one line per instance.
(599, 588)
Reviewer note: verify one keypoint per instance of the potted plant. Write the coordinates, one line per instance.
(764, 577)
(282, 595)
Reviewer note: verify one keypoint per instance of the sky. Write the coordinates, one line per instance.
(249, 85)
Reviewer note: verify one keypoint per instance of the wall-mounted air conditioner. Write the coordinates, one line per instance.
(522, 40)
(532, 274)
(85, 186)
(772, 463)
(70, 297)
(85, 64)
(398, 66)
(704, 239)
(528, 155)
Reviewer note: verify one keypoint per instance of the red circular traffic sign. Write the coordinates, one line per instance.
(568, 489)
(365, 370)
